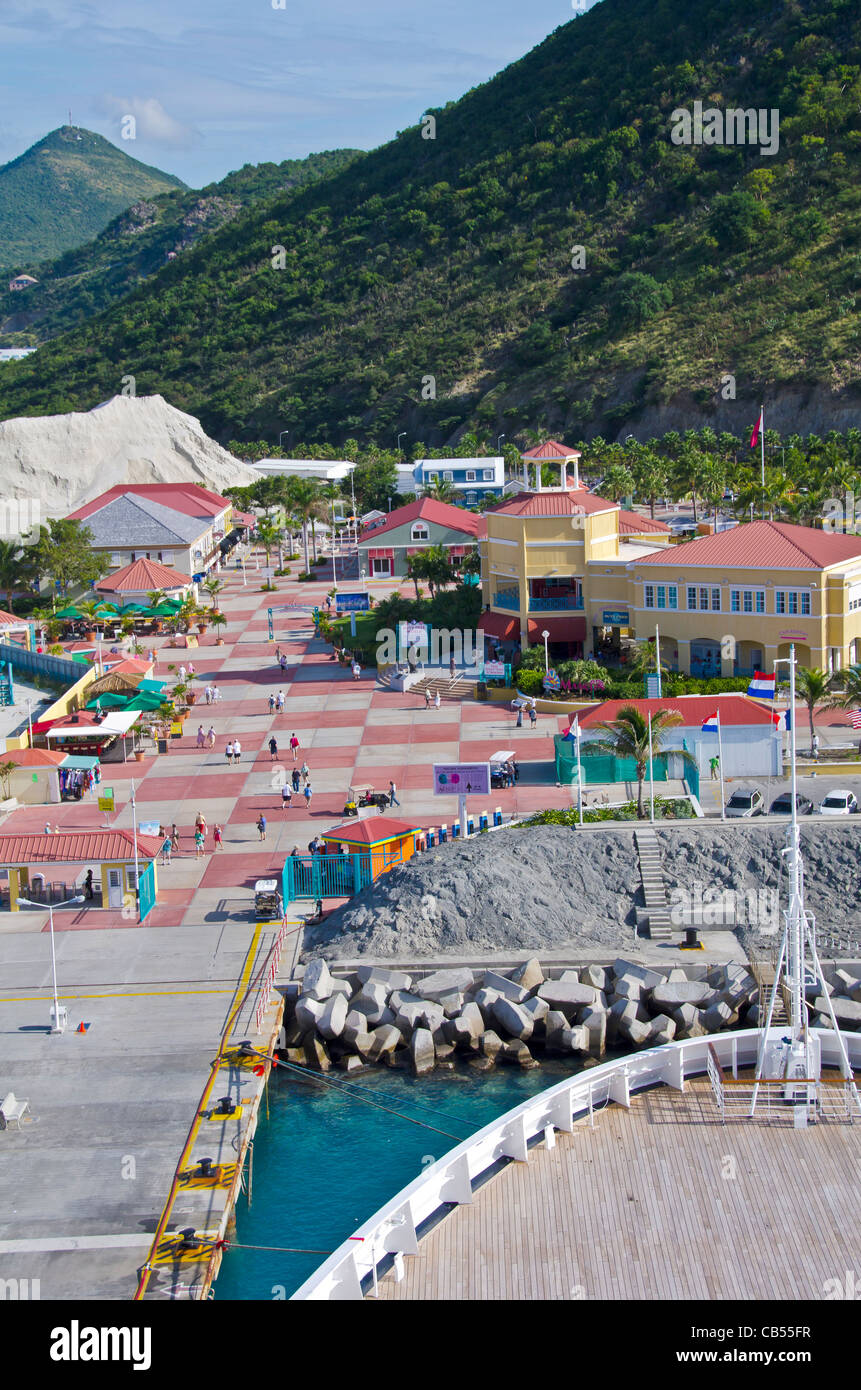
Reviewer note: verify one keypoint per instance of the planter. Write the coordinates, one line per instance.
(202, 628)
(219, 641)
(139, 755)
(191, 696)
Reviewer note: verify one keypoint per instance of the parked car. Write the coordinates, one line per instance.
(747, 801)
(839, 802)
(782, 805)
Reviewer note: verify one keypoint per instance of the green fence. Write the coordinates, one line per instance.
(325, 875)
(607, 768)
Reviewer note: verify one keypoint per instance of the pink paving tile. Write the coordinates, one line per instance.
(482, 711)
(82, 815)
(295, 719)
(389, 733)
(166, 788)
(330, 757)
(435, 733)
(340, 719)
(242, 870)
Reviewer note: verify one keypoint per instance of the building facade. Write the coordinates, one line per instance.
(180, 525)
(471, 478)
(386, 545)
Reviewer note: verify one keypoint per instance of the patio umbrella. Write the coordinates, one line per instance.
(163, 610)
(144, 701)
(132, 608)
(111, 699)
(70, 612)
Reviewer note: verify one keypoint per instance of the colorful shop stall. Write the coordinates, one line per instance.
(51, 867)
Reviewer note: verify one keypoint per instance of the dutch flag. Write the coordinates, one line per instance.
(573, 730)
(710, 725)
(762, 686)
(782, 720)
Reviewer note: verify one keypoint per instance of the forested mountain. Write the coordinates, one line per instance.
(64, 190)
(445, 264)
(140, 241)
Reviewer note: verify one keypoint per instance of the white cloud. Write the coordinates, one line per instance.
(153, 122)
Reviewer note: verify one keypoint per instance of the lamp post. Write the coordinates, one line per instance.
(98, 636)
(400, 437)
(30, 719)
(58, 1017)
(545, 634)
(499, 439)
(281, 436)
(364, 573)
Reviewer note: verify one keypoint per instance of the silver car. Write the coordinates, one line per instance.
(838, 802)
(747, 801)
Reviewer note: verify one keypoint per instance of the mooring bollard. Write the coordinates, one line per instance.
(482, 821)
(497, 815)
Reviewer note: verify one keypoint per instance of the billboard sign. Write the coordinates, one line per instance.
(494, 668)
(617, 617)
(352, 603)
(461, 779)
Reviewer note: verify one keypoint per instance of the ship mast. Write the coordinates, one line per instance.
(796, 1055)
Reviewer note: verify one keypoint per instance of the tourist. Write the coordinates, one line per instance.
(200, 822)
(713, 766)
(451, 667)
(427, 699)
(279, 701)
(519, 720)
(216, 694)
(191, 670)
(294, 746)
(306, 773)
(357, 670)
(217, 836)
(237, 750)
(273, 748)
(261, 826)
(815, 747)
(210, 737)
(436, 701)
(174, 838)
(271, 704)
(286, 797)
(201, 736)
(208, 694)
(228, 752)
(183, 674)
(294, 776)
(198, 844)
(88, 882)
(533, 717)
(277, 655)
(283, 664)
(393, 800)
(166, 848)
(47, 827)
(308, 793)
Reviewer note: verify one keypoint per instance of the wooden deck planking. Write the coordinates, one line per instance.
(637, 1208)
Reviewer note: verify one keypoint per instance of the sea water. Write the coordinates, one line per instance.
(326, 1159)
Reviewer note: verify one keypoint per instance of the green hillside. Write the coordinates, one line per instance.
(64, 190)
(91, 278)
(450, 258)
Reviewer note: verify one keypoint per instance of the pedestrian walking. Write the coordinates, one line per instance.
(427, 699)
(278, 655)
(191, 670)
(357, 671)
(815, 747)
(713, 767)
(199, 844)
(200, 822)
(294, 776)
(519, 721)
(273, 748)
(261, 826)
(393, 800)
(166, 848)
(237, 750)
(436, 701)
(174, 837)
(286, 797)
(217, 836)
(210, 737)
(201, 736)
(533, 717)
(308, 793)
(279, 701)
(208, 694)
(228, 752)
(183, 674)
(451, 667)
(216, 694)
(88, 882)
(271, 704)
(283, 664)
(306, 773)
(294, 746)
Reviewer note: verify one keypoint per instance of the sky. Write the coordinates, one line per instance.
(215, 84)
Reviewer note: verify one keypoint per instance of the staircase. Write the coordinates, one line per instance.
(457, 689)
(656, 914)
(763, 973)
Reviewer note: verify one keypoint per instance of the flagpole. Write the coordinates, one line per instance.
(651, 773)
(658, 658)
(579, 774)
(762, 453)
(720, 770)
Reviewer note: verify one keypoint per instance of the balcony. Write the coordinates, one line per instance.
(555, 603)
(507, 598)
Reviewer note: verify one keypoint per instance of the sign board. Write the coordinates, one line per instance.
(461, 779)
(616, 617)
(149, 827)
(176, 729)
(551, 680)
(653, 687)
(494, 668)
(268, 572)
(414, 632)
(352, 603)
(105, 803)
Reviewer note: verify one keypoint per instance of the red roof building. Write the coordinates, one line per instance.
(551, 451)
(190, 498)
(143, 577)
(736, 710)
(775, 545)
(74, 847)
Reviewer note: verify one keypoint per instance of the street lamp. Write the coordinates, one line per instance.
(59, 1017)
(281, 436)
(545, 634)
(400, 437)
(30, 719)
(364, 573)
(499, 439)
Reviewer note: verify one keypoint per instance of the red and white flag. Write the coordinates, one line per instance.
(856, 718)
(754, 438)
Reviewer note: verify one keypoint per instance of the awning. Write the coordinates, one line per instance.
(563, 627)
(500, 625)
(381, 555)
(457, 550)
(113, 724)
(79, 760)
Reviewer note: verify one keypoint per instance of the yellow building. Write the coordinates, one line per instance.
(575, 565)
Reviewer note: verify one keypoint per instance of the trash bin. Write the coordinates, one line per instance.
(481, 690)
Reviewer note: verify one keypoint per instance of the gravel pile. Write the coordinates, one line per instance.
(552, 888)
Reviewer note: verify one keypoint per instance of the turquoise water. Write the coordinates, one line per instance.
(325, 1162)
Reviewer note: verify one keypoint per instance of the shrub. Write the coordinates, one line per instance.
(529, 682)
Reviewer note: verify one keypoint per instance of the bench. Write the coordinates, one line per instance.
(12, 1109)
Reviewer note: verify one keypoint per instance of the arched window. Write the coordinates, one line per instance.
(419, 531)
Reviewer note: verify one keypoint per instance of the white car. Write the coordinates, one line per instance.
(839, 802)
(747, 801)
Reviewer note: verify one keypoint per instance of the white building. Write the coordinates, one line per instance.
(327, 470)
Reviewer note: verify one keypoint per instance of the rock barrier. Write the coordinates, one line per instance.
(376, 1015)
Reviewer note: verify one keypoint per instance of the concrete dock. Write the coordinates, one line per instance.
(84, 1182)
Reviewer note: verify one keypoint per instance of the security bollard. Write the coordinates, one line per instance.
(482, 821)
(455, 830)
(443, 834)
(431, 837)
(470, 825)
(497, 815)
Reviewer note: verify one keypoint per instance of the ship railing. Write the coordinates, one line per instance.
(268, 983)
(382, 1244)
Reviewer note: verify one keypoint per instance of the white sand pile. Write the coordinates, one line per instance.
(65, 460)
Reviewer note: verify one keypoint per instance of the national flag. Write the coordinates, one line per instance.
(856, 718)
(573, 730)
(782, 720)
(754, 438)
(710, 725)
(762, 686)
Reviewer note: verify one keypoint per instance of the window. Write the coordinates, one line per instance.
(419, 532)
(470, 475)
(746, 600)
(692, 596)
(383, 567)
(448, 476)
(433, 477)
(660, 596)
(471, 499)
(715, 600)
(487, 475)
(792, 601)
(854, 597)
(117, 559)
(166, 557)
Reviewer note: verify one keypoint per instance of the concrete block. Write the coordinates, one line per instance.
(490, 1044)
(636, 1032)
(596, 976)
(467, 1027)
(385, 1040)
(676, 975)
(342, 987)
(443, 982)
(510, 989)
(443, 1050)
(317, 983)
(570, 977)
(663, 1025)
(308, 1013)
(451, 1004)
(296, 1055)
(595, 1023)
(518, 1053)
(555, 1024)
(688, 1021)
(717, 1016)
(370, 1001)
(399, 997)
(481, 1063)
(513, 1019)
(846, 1011)
(648, 978)
(291, 1035)
(316, 1054)
(334, 1016)
(627, 987)
(392, 979)
(537, 1008)
(350, 1062)
(665, 998)
(485, 999)
(566, 997)
(578, 1039)
(529, 975)
(410, 1013)
(422, 1052)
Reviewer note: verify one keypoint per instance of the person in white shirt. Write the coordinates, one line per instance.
(237, 749)
(436, 700)
(228, 752)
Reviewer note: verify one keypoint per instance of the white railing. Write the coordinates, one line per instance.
(393, 1231)
(267, 985)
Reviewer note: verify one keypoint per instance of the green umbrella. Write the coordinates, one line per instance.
(143, 701)
(110, 700)
(132, 608)
(108, 608)
(164, 610)
(70, 612)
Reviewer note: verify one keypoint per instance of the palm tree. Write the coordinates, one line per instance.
(618, 482)
(309, 506)
(816, 687)
(437, 568)
(645, 663)
(213, 587)
(650, 477)
(16, 570)
(156, 598)
(441, 491)
(416, 569)
(269, 536)
(627, 736)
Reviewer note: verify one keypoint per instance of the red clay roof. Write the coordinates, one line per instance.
(71, 847)
(189, 498)
(633, 523)
(10, 620)
(428, 509)
(370, 831)
(571, 502)
(695, 710)
(762, 545)
(551, 449)
(142, 577)
(34, 757)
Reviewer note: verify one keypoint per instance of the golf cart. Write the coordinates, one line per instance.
(267, 900)
(503, 766)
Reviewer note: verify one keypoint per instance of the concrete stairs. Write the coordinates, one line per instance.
(656, 914)
(458, 689)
